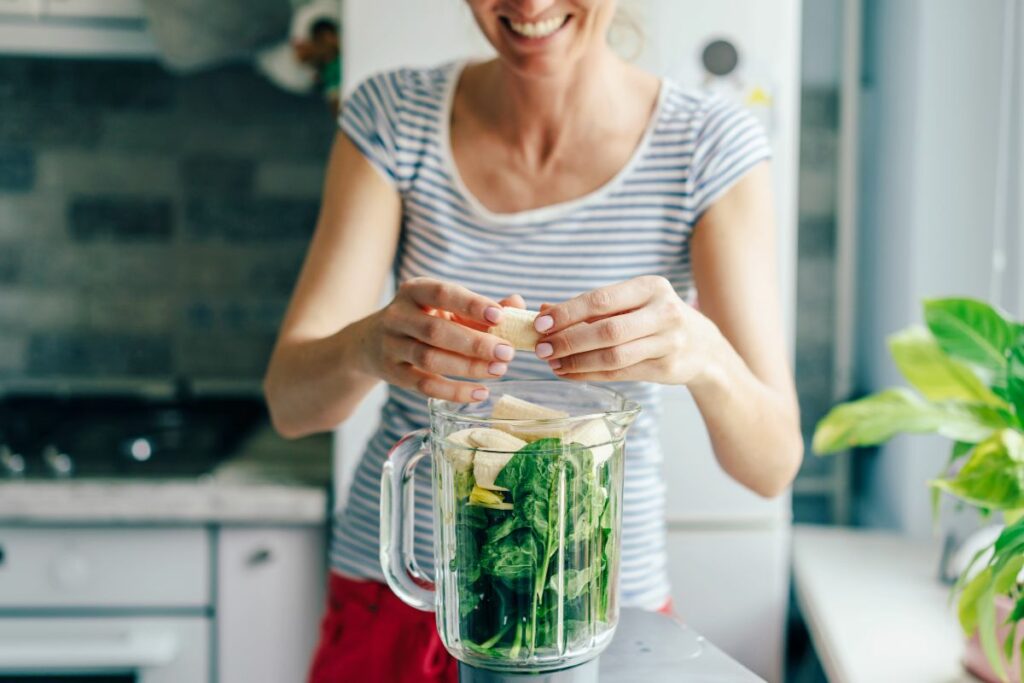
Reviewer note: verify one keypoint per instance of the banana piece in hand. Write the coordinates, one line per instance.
(516, 327)
(595, 435)
(509, 407)
(496, 449)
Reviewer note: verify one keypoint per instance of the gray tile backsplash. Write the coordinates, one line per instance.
(151, 226)
(17, 168)
(119, 219)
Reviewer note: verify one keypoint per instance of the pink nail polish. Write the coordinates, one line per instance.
(493, 314)
(544, 350)
(543, 323)
(497, 368)
(555, 364)
(479, 394)
(504, 352)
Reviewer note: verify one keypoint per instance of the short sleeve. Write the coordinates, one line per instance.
(730, 142)
(369, 117)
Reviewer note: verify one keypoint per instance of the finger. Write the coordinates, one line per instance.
(441, 362)
(648, 370)
(613, 357)
(606, 333)
(436, 386)
(429, 294)
(597, 303)
(514, 301)
(451, 336)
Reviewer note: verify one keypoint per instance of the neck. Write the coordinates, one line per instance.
(536, 115)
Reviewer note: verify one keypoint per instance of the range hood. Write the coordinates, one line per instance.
(185, 35)
(76, 28)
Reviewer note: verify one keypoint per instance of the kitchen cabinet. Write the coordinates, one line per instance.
(108, 567)
(203, 603)
(730, 584)
(270, 594)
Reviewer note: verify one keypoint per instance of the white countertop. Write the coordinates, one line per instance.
(875, 608)
(164, 501)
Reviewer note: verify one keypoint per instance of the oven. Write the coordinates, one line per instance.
(105, 605)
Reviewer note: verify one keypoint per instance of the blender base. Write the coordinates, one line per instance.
(584, 673)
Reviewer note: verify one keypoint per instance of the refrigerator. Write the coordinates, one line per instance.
(728, 548)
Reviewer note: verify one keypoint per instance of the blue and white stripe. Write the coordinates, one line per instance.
(639, 223)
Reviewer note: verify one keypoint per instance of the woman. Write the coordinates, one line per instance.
(554, 174)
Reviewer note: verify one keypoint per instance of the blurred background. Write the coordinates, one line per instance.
(160, 174)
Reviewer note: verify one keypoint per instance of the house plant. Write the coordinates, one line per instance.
(966, 370)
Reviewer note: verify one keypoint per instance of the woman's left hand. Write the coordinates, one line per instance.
(637, 330)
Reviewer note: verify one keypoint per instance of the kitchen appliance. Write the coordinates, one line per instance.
(527, 519)
(77, 605)
(79, 435)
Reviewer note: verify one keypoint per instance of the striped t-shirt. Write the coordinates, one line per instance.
(638, 223)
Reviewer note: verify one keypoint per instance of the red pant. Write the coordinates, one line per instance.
(370, 636)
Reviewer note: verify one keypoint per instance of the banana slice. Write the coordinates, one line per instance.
(509, 407)
(494, 440)
(497, 448)
(487, 499)
(460, 458)
(595, 435)
(516, 327)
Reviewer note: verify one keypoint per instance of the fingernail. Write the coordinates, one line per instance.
(497, 368)
(493, 314)
(504, 352)
(543, 323)
(544, 350)
(479, 394)
(555, 364)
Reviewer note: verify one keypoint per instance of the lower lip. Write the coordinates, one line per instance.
(520, 39)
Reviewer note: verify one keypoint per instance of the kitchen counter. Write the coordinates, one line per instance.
(271, 482)
(164, 502)
(875, 608)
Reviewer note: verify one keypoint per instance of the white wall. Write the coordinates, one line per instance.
(929, 163)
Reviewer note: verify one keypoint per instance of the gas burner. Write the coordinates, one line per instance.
(59, 438)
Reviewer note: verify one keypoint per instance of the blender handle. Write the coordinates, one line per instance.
(397, 505)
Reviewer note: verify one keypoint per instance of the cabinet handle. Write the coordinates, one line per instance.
(258, 557)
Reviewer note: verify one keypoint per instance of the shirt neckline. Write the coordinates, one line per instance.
(541, 213)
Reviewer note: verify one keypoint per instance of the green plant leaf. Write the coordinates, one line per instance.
(971, 330)
(993, 477)
(1015, 381)
(1011, 538)
(879, 417)
(967, 606)
(986, 607)
(1018, 611)
(937, 376)
(1006, 573)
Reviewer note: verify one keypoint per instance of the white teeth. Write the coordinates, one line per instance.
(538, 29)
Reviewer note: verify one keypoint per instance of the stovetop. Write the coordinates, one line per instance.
(121, 436)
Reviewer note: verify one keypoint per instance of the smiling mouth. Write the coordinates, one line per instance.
(536, 29)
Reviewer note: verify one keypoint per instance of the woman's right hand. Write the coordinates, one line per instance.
(433, 330)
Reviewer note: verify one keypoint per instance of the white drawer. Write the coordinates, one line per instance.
(152, 649)
(110, 568)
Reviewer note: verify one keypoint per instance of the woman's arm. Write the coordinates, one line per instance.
(747, 395)
(334, 346)
(314, 380)
(731, 354)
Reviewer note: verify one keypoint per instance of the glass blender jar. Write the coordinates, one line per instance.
(527, 520)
